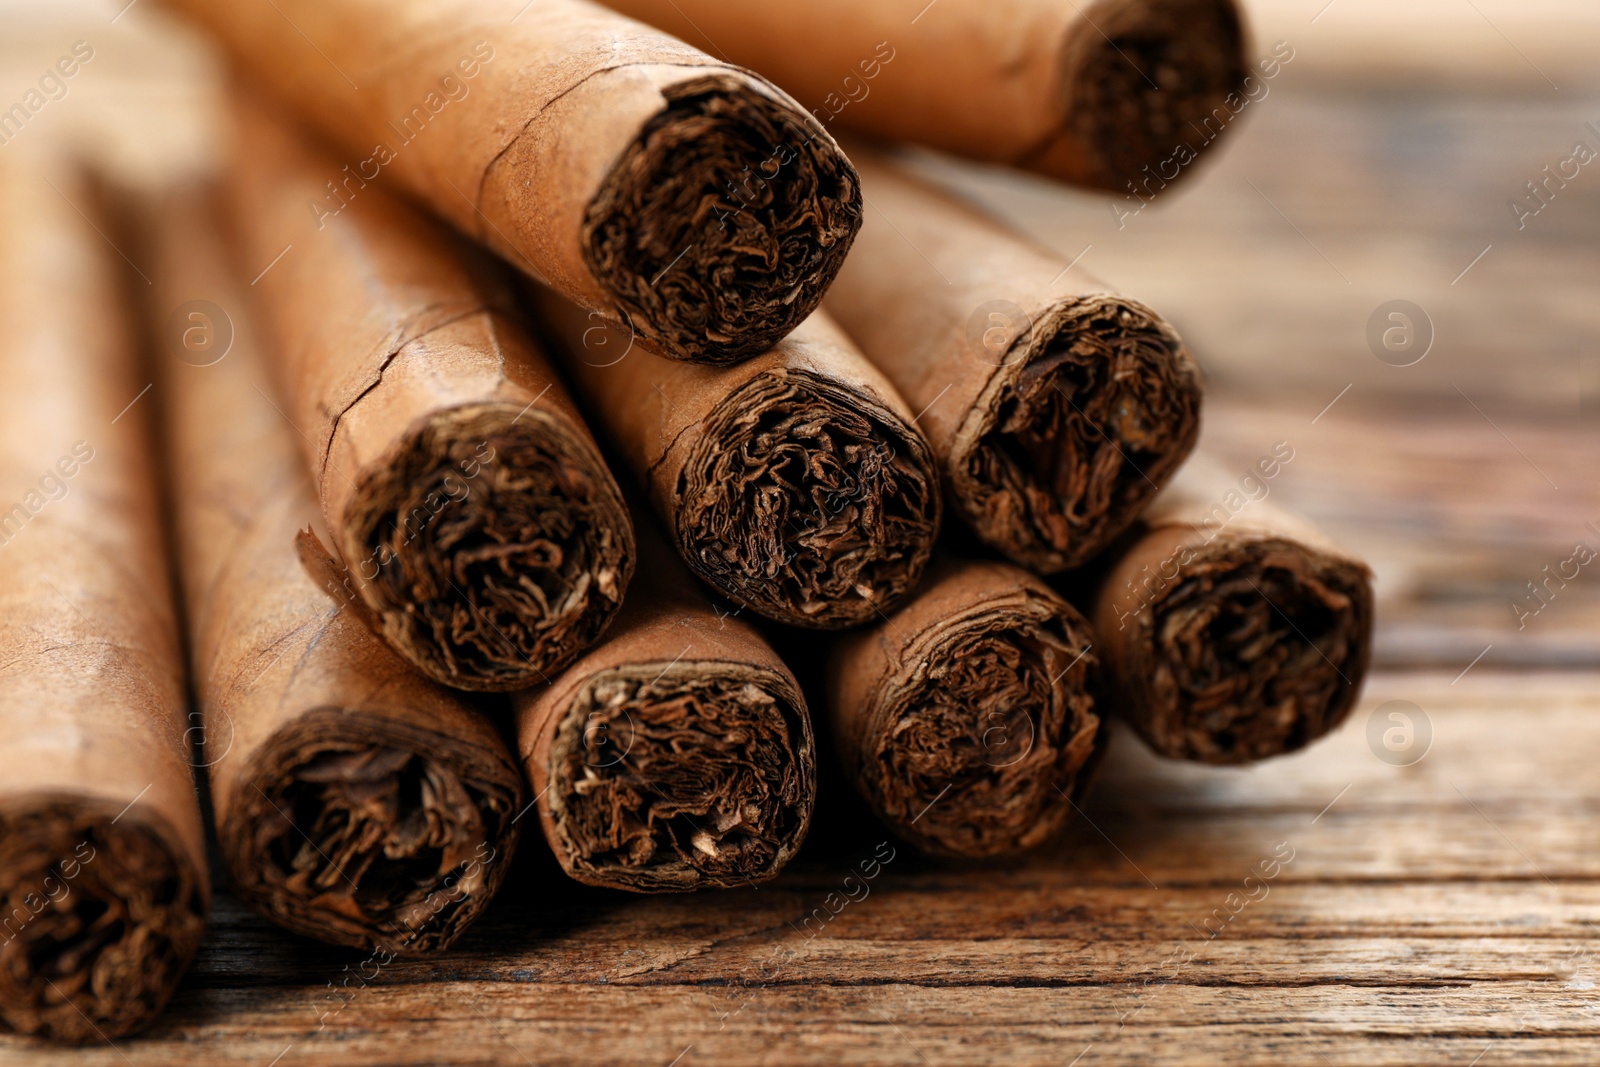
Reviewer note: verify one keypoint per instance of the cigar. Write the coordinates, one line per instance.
(968, 718)
(677, 754)
(1231, 629)
(1091, 93)
(355, 801)
(477, 524)
(1057, 408)
(795, 484)
(638, 176)
(103, 880)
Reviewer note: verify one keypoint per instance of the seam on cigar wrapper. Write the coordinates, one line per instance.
(394, 346)
(559, 751)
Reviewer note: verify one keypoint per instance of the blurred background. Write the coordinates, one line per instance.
(1390, 160)
(1412, 158)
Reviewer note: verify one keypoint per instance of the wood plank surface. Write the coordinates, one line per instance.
(1445, 912)
(1429, 913)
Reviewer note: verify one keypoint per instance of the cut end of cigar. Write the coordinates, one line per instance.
(974, 749)
(358, 831)
(808, 502)
(493, 548)
(1094, 408)
(100, 918)
(1149, 93)
(720, 228)
(1258, 651)
(677, 776)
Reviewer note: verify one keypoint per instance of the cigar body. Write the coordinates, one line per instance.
(633, 173)
(795, 484)
(1231, 629)
(355, 801)
(1056, 406)
(480, 528)
(1090, 93)
(968, 718)
(103, 878)
(676, 755)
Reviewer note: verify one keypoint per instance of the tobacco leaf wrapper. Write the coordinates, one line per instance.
(103, 880)
(795, 484)
(968, 720)
(676, 755)
(355, 801)
(1056, 407)
(1231, 629)
(636, 175)
(1090, 93)
(480, 527)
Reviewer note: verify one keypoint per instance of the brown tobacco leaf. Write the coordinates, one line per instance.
(355, 801)
(1068, 448)
(1231, 629)
(808, 501)
(525, 564)
(677, 754)
(967, 718)
(363, 832)
(723, 223)
(1258, 651)
(99, 916)
(1086, 91)
(643, 179)
(1057, 408)
(1139, 94)
(460, 486)
(696, 775)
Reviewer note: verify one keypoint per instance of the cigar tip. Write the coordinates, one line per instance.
(493, 546)
(399, 838)
(1141, 104)
(972, 741)
(1094, 409)
(674, 776)
(731, 279)
(1260, 650)
(824, 543)
(100, 912)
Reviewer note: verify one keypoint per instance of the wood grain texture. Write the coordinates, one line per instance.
(1429, 913)
(1445, 913)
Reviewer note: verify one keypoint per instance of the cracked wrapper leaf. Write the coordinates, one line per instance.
(1232, 630)
(480, 527)
(1089, 92)
(636, 175)
(1057, 407)
(795, 484)
(969, 718)
(677, 754)
(355, 801)
(103, 879)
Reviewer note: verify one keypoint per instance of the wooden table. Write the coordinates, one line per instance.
(1443, 912)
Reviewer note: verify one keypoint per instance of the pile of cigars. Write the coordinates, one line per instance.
(538, 385)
